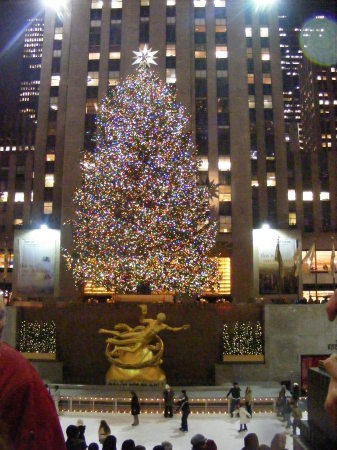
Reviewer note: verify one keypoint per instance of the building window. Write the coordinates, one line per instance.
(250, 78)
(264, 32)
(170, 50)
(248, 32)
(96, 4)
(220, 3)
(55, 80)
(50, 157)
(48, 208)
(308, 196)
(225, 224)
(200, 54)
(291, 195)
(221, 52)
(266, 78)
(199, 3)
(171, 76)
(92, 79)
(267, 101)
(19, 197)
(324, 196)
(170, 2)
(271, 179)
(94, 56)
(49, 180)
(200, 73)
(91, 106)
(292, 219)
(3, 197)
(251, 101)
(224, 164)
(18, 222)
(113, 78)
(116, 4)
(265, 55)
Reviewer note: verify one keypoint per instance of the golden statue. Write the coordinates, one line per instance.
(135, 354)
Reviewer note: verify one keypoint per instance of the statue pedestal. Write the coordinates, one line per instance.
(146, 375)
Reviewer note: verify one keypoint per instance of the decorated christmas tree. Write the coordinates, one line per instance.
(141, 217)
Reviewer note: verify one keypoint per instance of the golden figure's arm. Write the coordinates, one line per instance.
(184, 327)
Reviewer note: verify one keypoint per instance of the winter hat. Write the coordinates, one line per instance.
(167, 386)
(198, 439)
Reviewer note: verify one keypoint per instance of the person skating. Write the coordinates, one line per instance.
(248, 399)
(244, 415)
(184, 406)
(235, 394)
(168, 395)
(135, 408)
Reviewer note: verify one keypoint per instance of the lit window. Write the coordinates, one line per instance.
(50, 157)
(92, 79)
(225, 224)
(95, 23)
(291, 195)
(264, 32)
(255, 183)
(222, 73)
(248, 32)
(171, 76)
(54, 103)
(267, 101)
(144, 2)
(96, 4)
(199, 3)
(170, 2)
(292, 219)
(251, 101)
(203, 164)
(170, 50)
(224, 164)
(219, 3)
(200, 74)
(58, 36)
(95, 56)
(200, 54)
(116, 3)
(55, 80)
(266, 78)
(249, 53)
(91, 106)
(324, 196)
(250, 78)
(271, 179)
(225, 197)
(4, 196)
(17, 222)
(221, 52)
(113, 78)
(308, 196)
(49, 180)
(19, 197)
(57, 53)
(48, 208)
(265, 55)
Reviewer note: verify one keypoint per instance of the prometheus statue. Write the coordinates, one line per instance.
(135, 354)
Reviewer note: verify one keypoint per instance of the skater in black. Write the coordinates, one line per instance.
(135, 408)
(185, 410)
(235, 393)
(168, 395)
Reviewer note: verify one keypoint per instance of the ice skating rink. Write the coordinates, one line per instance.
(154, 428)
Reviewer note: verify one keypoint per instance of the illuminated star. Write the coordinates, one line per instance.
(145, 57)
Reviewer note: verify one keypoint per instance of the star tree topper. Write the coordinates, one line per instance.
(145, 57)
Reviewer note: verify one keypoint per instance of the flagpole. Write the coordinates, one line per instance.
(316, 272)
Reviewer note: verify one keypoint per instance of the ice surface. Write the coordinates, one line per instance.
(154, 428)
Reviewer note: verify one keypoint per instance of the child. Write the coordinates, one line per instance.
(244, 416)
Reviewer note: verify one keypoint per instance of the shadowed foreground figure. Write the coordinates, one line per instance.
(330, 365)
(28, 419)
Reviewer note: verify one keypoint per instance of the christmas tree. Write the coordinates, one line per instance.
(141, 217)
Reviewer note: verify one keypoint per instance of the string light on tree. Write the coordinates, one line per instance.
(141, 217)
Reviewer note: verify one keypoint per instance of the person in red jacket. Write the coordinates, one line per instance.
(28, 419)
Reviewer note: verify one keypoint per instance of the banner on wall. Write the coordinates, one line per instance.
(275, 253)
(36, 259)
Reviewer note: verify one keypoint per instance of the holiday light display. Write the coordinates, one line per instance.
(36, 337)
(141, 218)
(244, 338)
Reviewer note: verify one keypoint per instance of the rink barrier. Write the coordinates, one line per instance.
(152, 405)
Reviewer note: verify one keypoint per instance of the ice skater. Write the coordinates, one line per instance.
(168, 395)
(135, 408)
(244, 416)
(235, 399)
(184, 406)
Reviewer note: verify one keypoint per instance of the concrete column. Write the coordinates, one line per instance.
(74, 130)
(242, 221)
(260, 128)
(11, 192)
(158, 34)
(28, 187)
(295, 148)
(105, 44)
(61, 120)
(42, 121)
(185, 56)
(130, 35)
(213, 171)
(279, 129)
(317, 210)
(9, 333)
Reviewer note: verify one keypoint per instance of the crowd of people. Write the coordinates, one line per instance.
(287, 407)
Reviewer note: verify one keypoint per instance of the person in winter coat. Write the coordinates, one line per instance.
(278, 442)
(235, 394)
(103, 431)
(248, 399)
(251, 442)
(297, 416)
(184, 406)
(287, 411)
(73, 441)
(168, 395)
(280, 403)
(135, 408)
(295, 392)
(110, 443)
(244, 416)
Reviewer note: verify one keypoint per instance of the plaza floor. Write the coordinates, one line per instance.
(154, 429)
